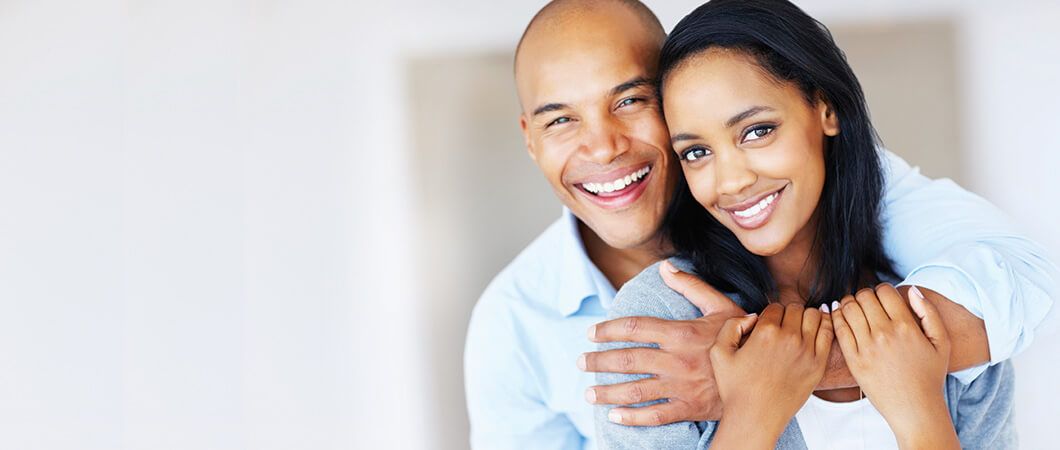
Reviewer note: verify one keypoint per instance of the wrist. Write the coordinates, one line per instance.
(929, 428)
(748, 429)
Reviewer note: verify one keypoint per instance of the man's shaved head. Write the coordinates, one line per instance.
(560, 16)
(585, 72)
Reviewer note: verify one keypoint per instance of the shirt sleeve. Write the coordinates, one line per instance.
(953, 242)
(982, 412)
(635, 301)
(505, 405)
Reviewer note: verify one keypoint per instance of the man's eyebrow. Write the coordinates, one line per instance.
(748, 113)
(683, 137)
(548, 108)
(635, 82)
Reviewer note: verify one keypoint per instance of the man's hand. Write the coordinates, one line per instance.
(681, 364)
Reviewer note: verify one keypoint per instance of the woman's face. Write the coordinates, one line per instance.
(751, 147)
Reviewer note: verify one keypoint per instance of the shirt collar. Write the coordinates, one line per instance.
(580, 279)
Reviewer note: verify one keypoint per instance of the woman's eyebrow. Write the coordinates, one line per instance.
(683, 137)
(747, 113)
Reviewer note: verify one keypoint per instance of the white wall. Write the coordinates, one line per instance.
(204, 206)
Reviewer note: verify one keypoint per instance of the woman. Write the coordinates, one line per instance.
(780, 208)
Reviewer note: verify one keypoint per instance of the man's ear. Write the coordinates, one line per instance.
(526, 136)
(829, 119)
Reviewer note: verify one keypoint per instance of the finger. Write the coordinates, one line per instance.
(823, 340)
(729, 336)
(847, 342)
(700, 293)
(644, 330)
(625, 360)
(772, 314)
(811, 322)
(855, 318)
(930, 321)
(651, 415)
(793, 317)
(893, 303)
(870, 305)
(628, 393)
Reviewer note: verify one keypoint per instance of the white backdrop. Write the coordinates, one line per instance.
(205, 205)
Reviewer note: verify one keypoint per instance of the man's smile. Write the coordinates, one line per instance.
(616, 189)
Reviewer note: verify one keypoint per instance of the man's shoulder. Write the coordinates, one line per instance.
(533, 271)
(648, 295)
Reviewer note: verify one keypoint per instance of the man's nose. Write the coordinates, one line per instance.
(604, 140)
(733, 172)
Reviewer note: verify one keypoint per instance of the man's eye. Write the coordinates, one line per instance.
(629, 101)
(558, 121)
(758, 132)
(695, 153)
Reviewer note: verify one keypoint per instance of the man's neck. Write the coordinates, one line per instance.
(617, 264)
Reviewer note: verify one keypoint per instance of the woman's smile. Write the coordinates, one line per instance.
(756, 211)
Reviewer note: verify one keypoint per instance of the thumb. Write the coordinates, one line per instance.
(930, 321)
(704, 296)
(729, 337)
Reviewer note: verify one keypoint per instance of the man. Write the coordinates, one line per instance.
(584, 72)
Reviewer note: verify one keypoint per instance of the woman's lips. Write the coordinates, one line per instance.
(757, 214)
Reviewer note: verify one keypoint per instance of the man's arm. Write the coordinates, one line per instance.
(967, 335)
(505, 406)
(950, 241)
(993, 288)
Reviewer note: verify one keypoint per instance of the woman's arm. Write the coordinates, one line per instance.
(900, 367)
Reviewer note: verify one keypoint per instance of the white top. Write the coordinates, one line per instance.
(828, 425)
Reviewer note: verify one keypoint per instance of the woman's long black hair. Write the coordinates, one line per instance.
(793, 47)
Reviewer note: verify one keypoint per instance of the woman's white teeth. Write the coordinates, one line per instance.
(618, 184)
(758, 207)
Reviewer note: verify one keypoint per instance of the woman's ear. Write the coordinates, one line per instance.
(829, 120)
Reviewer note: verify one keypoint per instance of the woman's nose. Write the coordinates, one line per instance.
(733, 173)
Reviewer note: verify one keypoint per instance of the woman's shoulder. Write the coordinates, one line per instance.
(648, 295)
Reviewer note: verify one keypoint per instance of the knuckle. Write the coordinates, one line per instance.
(635, 394)
(630, 325)
(656, 418)
(626, 360)
(684, 333)
(865, 294)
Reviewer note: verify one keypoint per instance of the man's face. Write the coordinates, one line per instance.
(592, 123)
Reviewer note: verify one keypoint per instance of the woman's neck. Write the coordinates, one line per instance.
(795, 268)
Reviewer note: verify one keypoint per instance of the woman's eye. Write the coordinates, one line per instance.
(558, 121)
(694, 153)
(758, 132)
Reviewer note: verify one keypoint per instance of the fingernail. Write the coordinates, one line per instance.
(917, 292)
(835, 305)
(614, 416)
(669, 267)
(824, 308)
(592, 332)
(590, 395)
(581, 361)
(750, 315)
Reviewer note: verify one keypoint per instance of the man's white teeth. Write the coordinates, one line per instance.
(618, 184)
(758, 207)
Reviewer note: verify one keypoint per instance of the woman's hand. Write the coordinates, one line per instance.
(764, 382)
(900, 366)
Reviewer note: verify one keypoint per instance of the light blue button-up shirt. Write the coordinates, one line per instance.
(529, 326)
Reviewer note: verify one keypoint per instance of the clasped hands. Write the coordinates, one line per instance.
(682, 368)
